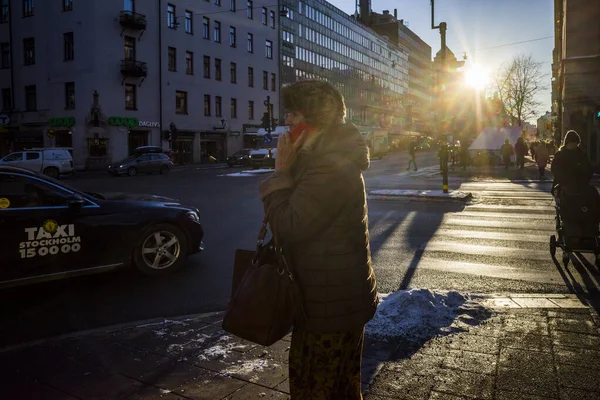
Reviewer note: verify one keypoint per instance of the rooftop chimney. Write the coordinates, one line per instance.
(395, 13)
(386, 12)
(365, 11)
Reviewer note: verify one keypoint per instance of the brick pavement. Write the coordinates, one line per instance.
(528, 347)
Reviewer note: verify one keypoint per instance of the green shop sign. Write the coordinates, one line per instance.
(58, 122)
(122, 121)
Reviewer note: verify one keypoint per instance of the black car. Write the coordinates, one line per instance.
(49, 230)
(240, 157)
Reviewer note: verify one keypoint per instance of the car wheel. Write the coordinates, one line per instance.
(132, 171)
(161, 250)
(164, 169)
(51, 172)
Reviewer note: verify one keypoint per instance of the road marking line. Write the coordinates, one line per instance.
(499, 224)
(479, 250)
(491, 235)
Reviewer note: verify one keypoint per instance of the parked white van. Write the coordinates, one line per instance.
(49, 161)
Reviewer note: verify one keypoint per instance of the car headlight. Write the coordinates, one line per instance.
(193, 215)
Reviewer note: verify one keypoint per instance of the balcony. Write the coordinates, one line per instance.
(132, 20)
(133, 69)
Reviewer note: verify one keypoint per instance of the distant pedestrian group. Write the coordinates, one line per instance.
(540, 152)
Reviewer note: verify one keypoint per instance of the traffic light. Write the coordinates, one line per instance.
(265, 121)
(273, 123)
(598, 113)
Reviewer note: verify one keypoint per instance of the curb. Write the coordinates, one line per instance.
(107, 329)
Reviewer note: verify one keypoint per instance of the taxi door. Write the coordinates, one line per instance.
(40, 234)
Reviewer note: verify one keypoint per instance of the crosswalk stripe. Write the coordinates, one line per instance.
(480, 250)
(492, 235)
(500, 215)
(498, 224)
(489, 270)
(515, 208)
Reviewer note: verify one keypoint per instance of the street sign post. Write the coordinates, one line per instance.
(268, 138)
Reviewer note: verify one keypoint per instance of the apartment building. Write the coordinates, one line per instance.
(107, 76)
(320, 41)
(576, 73)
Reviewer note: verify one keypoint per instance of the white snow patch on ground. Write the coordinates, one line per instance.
(220, 351)
(250, 172)
(419, 193)
(249, 367)
(421, 313)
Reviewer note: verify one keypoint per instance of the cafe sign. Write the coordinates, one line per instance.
(250, 128)
(132, 122)
(62, 122)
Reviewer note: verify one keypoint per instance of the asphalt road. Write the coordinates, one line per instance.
(496, 244)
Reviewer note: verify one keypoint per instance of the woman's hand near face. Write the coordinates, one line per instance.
(285, 149)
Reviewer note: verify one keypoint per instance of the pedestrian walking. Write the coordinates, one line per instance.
(520, 151)
(316, 204)
(541, 158)
(507, 152)
(412, 150)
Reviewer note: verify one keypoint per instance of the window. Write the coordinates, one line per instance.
(207, 104)
(233, 108)
(68, 5)
(69, 46)
(250, 110)
(26, 192)
(269, 49)
(70, 95)
(249, 10)
(217, 2)
(97, 147)
(27, 8)
(218, 106)
(30, 155)
(172, 59)
(6, 99)
(232, 5)
(273, 82)
(29, 51)
(272, 19)
(206, 65)
(265, 80)
(250, 43)
(218, 69)
(232, 36)
(4, 56)
(3, 11)
(129, 48)
(30, 98)
(205, 28)
(189, 22)
(250, 77)
(264, 15)
(217, 32)
(181, 102)
(233, 73)
(189, 63)
(171, 21)
(130, 97)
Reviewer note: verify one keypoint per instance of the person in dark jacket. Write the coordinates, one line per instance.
(507, 152)
(316, 203)
(412, 150)
(571, 166)
(520, 151)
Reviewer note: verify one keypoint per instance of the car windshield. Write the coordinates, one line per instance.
(243, 152)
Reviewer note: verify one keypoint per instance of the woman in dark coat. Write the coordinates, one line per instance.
(571, 166)
(317, 205)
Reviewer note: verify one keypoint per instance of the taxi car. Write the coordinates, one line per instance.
(50, 231)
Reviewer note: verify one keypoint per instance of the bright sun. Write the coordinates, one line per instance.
(477, 77)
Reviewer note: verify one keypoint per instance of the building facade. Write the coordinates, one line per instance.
(417, 103)
(105, 77)
(319, 41)
(576, 72)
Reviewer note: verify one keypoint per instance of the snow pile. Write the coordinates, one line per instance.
(249, 367)
(420, 314)
(220, 350)
(420, 193)
(251, 172)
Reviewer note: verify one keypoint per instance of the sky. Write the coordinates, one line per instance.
(476, 25)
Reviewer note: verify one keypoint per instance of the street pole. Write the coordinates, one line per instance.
(444, 154)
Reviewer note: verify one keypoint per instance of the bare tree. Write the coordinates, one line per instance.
(517, 84)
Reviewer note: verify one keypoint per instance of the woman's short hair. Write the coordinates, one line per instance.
(571, 137)
(319, 101)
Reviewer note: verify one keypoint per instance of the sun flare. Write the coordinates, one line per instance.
(477, 77)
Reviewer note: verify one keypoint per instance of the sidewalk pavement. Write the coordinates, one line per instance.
(528, 347)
